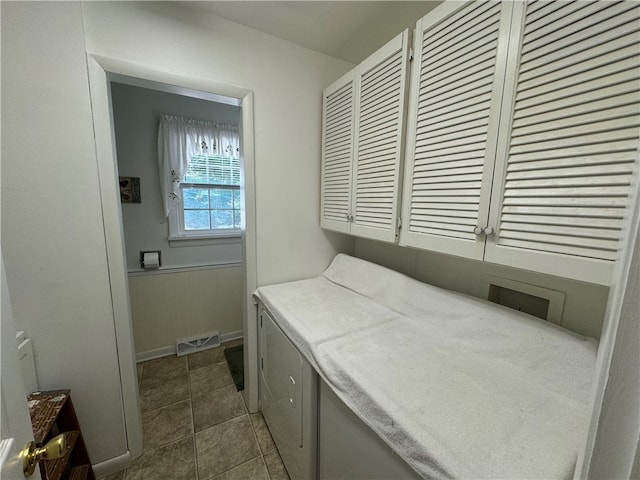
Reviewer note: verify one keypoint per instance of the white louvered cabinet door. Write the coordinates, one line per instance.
(380, 117)
(337, 153)
(454, 109)
(566, 174)
(362, 145)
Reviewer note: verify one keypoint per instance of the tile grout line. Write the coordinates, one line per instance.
(193, 421)
(245, 412)
(255, 435)
(144, 375)
(239, 465)
(193, 424)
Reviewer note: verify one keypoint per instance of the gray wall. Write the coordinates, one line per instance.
(135, 117)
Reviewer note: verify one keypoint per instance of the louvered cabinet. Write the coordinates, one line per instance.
(567, 168)
(523, 134)
(456, 93)
(363, 145)
(337, 153)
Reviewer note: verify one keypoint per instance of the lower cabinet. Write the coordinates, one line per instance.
(349, 449)
(316, 434)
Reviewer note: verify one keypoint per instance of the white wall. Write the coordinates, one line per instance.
(135, 116)
(619, 423)
(584, 303)
(614, 434)
(52, 233)
(287, 81)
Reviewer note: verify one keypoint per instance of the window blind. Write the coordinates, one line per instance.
(213, 170)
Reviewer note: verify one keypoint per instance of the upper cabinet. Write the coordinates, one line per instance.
(456, 95)
(363, 145)
(566, 169)
(523, 135)
(523, 128)
(337, 153)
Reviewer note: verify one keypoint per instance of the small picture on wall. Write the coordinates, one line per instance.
(130, 189)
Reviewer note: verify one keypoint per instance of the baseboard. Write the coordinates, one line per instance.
(156, 353)
(227, 337)
(171, 349)
(113, 465)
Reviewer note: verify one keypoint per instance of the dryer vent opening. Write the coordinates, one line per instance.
(535, 300)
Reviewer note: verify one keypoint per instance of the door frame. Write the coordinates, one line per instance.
(100, 70)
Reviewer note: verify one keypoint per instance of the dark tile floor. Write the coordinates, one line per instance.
(196, 426)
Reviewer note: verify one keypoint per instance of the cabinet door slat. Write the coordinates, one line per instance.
(610, 108)
(602, 51)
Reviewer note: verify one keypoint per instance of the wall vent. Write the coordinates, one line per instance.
(184, 346)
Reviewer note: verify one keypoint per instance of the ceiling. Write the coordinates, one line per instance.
(349, 30)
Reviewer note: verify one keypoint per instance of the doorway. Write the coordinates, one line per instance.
(195, 292)
(102, 71)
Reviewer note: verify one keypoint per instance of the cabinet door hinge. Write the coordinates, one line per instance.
(260, 320)
(262, 364)
(411, 54)
(399, 223)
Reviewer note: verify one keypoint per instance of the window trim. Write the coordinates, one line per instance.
(177, 232)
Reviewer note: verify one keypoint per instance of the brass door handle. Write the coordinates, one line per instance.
(55, 448)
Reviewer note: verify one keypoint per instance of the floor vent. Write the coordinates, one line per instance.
(184, 346)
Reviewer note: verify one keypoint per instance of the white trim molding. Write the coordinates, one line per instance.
(113, 465)
(182, 268)
(171, 349)
(114, 242)
(101, 70)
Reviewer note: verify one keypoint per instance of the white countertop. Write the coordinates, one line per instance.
(458, 387)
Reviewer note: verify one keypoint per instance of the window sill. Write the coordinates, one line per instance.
(205, 239)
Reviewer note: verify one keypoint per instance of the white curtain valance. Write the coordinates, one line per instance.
(179, 139)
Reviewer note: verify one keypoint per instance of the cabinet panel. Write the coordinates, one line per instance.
(454, 111)
(567, 167)
(349, 449)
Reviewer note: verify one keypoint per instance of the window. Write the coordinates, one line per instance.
(211, 194)
(199, 164)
